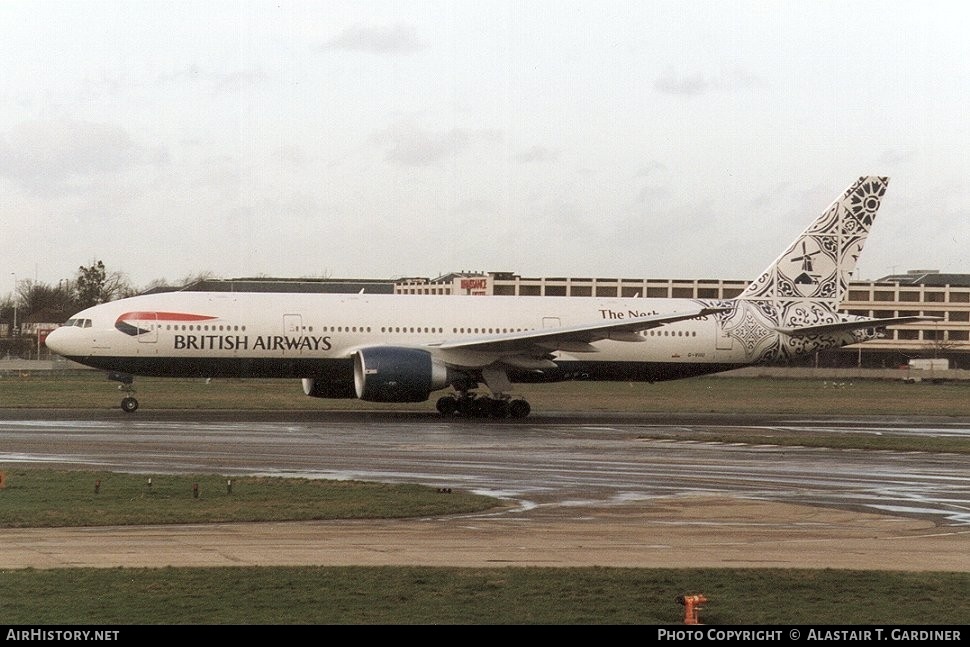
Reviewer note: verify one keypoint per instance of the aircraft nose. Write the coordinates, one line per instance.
(56, 340)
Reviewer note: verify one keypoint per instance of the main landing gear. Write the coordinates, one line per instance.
(499, 405)
(468, 405)
(128, 403)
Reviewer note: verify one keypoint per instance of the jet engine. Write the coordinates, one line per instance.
(329, 388)
(389, 374)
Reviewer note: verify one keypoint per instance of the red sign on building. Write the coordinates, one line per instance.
(474, 284)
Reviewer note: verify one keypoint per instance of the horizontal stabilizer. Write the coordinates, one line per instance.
(856, 324)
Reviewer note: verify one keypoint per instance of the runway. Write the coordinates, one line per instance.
(580, 489)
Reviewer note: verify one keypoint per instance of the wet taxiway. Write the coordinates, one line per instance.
(581, 488)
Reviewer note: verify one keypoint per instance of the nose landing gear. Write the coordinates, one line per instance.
(128, 403)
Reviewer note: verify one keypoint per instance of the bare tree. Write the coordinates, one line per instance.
(938, 342)
(56, 302)
(191, 279)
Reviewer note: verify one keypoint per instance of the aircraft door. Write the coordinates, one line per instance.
(550, 322)
(292, 325)
(150, 327)
(292, 331)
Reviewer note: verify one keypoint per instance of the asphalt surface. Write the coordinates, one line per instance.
(579, 490)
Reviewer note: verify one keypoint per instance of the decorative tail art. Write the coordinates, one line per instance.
(792, 308)
(817, 266)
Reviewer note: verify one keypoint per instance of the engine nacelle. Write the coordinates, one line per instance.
(389, 374)
(329, 388)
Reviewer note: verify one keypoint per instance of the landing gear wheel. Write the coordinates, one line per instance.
(499, 408)
(482, 407)
(128, 403)
(519, 408)
(447, 405)
(466, 406)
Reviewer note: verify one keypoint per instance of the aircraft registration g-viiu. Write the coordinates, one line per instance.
(403, 348)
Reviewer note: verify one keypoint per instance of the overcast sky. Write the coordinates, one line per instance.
(384, 139)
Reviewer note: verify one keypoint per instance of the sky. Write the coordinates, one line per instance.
(680, 139)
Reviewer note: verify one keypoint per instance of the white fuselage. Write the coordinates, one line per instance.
(286, 335)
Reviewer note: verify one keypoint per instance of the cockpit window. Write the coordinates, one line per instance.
(78, 323)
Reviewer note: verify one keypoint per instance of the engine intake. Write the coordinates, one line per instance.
(329, 388)
(388, 374)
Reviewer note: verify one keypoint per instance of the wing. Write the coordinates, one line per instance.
(856, 324)
(577, 339)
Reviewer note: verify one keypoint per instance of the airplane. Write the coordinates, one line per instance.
(404, 348)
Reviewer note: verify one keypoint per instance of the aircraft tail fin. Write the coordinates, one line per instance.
(817, 266)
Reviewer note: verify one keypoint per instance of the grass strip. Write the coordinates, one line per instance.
(54, 498)
(509, 595)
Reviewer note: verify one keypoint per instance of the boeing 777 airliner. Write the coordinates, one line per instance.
(397, 348)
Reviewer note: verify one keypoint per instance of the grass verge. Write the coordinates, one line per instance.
(90, 390)
(53, 498)
(510, 595)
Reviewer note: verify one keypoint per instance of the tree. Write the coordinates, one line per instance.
(90, 285)
(96, 285)
(6, 314)
(56, 303)
(939, 343)
(192, 279)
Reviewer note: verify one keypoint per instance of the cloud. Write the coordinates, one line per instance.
(475, 207)
(55, 156)
(191, 72)
(537, 154)
(651, 169)
(233, 81)
(411, 145)
(671, 82)
(651, 177)
(219, 82)
(898, 155)
(682, 83)
(399, 39)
